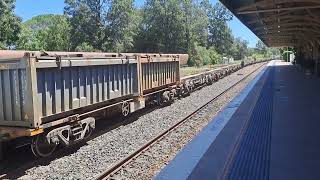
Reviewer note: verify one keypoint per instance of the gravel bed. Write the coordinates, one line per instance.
(160, 154)
(101, 152)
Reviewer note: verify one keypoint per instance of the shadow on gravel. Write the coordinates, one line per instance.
(18, 160)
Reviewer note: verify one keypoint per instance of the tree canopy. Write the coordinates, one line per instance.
(45, 32)
(106, 25)
(196, 27)
(9, 24)
(220, 35)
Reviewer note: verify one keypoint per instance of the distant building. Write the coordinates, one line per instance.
(227, 60)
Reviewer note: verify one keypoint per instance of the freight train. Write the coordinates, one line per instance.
(55, 98)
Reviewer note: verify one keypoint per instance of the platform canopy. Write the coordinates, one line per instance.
(280, 23)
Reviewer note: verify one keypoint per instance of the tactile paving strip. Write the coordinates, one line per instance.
(251, 160)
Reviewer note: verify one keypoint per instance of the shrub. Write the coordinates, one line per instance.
(85, 47)
(202, 56)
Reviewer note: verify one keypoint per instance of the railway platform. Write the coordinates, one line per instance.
(269, 131)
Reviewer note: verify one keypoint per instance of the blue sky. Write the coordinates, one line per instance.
(27, 9)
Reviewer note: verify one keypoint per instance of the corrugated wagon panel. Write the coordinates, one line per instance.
(12, 95)
(16, 88)
(39, 88)
(1, 97)
(75, 87)
(159, 74)
(7, 96)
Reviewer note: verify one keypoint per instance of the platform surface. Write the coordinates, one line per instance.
(269, 131)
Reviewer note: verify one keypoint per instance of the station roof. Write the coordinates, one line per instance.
(279, 23)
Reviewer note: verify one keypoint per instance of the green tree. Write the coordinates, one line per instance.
(240, 49)
(202, 56)
(162, 26)
(195, 58)
(215, 57)
(45, 32)
(85, 47)
(195, 23)
(108, 25)
(220, 35)
(262, 51)
(88, 21)
(275, 51)
(9, 24)
(122, 25)
(261, 47)
(172, 26)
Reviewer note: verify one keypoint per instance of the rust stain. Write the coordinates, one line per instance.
(4, 66)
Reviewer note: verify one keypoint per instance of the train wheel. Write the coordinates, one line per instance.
(190, 88)
(125, 109)
(209, 80)
(41, 147)
(216, 77)
(172, 95)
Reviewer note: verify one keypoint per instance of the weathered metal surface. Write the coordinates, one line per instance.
(183, 58)
(41, 88)
(8, 133)
(13, 93)
(36, 87)
(8, 54)
(76, 87)
(280, 23)
(159, 71)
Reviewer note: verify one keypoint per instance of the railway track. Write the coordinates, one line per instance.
(120, 165)
(31, 162)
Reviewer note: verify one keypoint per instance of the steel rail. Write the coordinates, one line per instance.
(120, 164)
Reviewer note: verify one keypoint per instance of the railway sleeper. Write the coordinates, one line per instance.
(209, 79)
